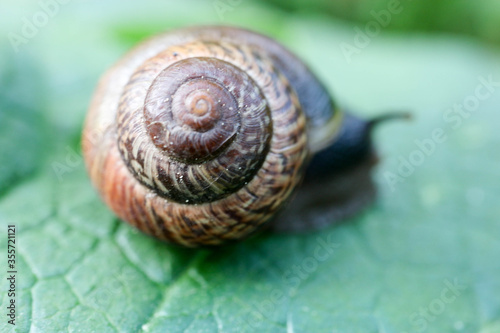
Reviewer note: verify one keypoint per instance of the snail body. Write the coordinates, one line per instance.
(201, 135)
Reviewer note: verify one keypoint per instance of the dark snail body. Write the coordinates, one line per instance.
(200, 136)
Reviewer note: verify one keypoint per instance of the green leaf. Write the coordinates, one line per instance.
(423, 258)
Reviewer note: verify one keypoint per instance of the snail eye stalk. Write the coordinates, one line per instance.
(398, 115)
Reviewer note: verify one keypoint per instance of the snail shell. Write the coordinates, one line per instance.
(199, 136)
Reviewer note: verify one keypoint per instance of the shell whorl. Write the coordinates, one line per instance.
(205, 126)
(202, 141)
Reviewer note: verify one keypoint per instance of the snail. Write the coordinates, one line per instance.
(200, 136)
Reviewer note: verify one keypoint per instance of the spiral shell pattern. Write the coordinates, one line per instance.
(204, 131)
(197, 143)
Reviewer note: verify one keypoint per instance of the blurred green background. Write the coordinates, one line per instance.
(423, 258)
(479, 19)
